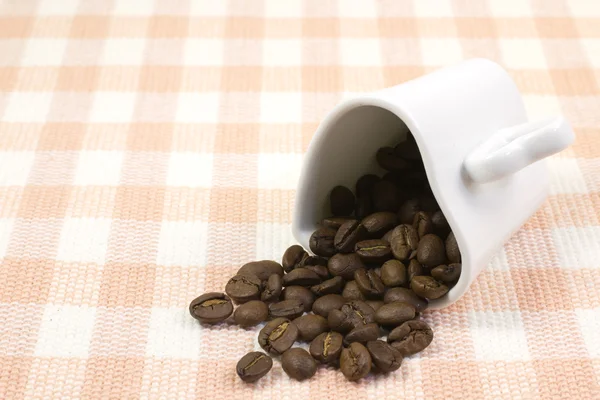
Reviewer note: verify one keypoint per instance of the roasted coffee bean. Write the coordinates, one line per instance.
(446, 273)
(388, 159)
(373, 250)
(364, 206)
(352, 292)
(377, 224)
(344, 265)
(286, 309)
(427, 287)
(298, 364)
(395, 313)
(334, 285)
(327, 347)
(422, 223)
(301, 277)
(335, 222)
(323, 305)
(375, 304)
(369, 283)
(408, 149)
(272, 289)
(253, 366)
(300, 293)
(452, 250)
(404, 242)
(388, 236)
(293, 257)
(350, 316)
(414, 269)
(251, 313)
(310, 326)
(362, 334)
(440, 224)
(386, 196)
(341, 200)
(355, 362)
(277, 336)
(261, 269)
(243, 288)
(385, 357)
(364, 184)
(347, 236)
(393, 273)
(314, 260)
(321, 242)
(431, 251)
(407, 296)
(211, 308)
(411, 337)
(377, 271)
(320, 270)
(407, 211)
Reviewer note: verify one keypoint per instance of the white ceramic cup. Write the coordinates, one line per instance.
(482, 157)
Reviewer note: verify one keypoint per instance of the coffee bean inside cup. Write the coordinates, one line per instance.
(382, 254)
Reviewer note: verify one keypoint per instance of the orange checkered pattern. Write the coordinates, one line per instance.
(149, 148)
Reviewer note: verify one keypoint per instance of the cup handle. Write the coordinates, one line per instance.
(512, 149)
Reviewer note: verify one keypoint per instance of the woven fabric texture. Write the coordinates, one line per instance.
(149, 148)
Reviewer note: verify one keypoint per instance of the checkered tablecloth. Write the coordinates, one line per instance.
(149, 148)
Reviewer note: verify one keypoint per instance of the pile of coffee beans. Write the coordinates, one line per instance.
(386, 250)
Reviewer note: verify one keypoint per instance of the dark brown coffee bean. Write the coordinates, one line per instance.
(407, 211)
(243, 288)
(393, 273)
(422, 223)
(394, 314)
(364, 206)
(335, 222)
(330, 286)
(251, 313)
(364, 184)
(327, 347)
(389, 160)
(406, 296)
(386, 196)
(293, 257)
(355, 362)
(411, 337)
(347, 236)
(261, 269)
(344, 265)
(352, 292)
(253, 366)
(323, 305)
(362, 334)
(341, 201)
(310, 326)
(408, 149)
(377, 224)
(369, 283)
(301, 277)
(373, 250)
(452, 250)
(272, 289)
(431, 251)
(298, 364)
(211, 308)
(440, 224)
(446, 273)
(385, 357)
(300, 293)
(414, 269)
(286, 309)
(320, 270)
(427, 287)
(404, 242)
(375, 304)
(277, 336)
(350, 316)
(321, 242)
